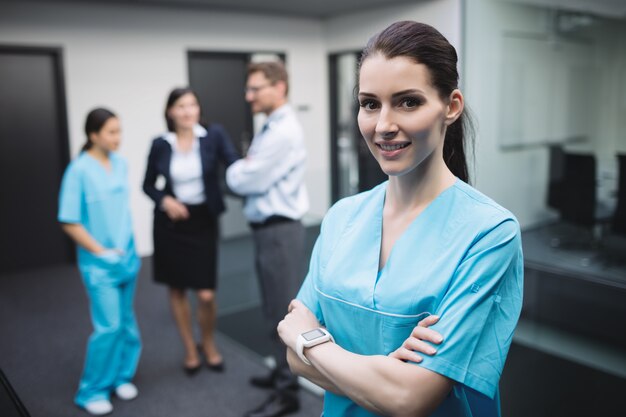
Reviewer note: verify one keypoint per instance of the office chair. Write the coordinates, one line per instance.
(556, 177)
(619, 218)
(572, 191)
(614, 244)
(578, 203)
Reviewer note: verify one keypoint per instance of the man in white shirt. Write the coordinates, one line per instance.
(271, 177)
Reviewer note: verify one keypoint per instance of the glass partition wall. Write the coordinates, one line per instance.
(547, 84)
(353, 168)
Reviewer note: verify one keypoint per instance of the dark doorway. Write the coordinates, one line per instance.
(219, 78)
(33, 154)
(353, 168)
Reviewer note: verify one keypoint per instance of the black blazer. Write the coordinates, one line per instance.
(214, 147)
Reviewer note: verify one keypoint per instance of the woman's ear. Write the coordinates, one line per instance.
(454, 109)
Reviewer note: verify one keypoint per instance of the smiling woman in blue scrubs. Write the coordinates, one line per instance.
(94, 212)
(424, 247)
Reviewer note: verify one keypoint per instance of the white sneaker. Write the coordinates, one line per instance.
(127, 391)
(99, 407)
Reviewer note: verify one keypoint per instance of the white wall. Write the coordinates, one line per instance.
(517, 178)
(129, 57)
(610, 35)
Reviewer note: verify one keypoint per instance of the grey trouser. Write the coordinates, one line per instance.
(279, 265)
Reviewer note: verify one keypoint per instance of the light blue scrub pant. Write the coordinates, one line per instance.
(114, 346)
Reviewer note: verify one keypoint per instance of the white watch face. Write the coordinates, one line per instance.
(313, 334)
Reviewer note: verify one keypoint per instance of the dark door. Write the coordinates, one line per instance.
(33, 155)
(220, 80)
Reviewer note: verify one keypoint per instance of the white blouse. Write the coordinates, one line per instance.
(186, 169)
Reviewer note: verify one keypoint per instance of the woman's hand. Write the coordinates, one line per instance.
(174, 209)
(415, 342)
(299, 320)
(106, 251)
(81, 236)
(110, 256)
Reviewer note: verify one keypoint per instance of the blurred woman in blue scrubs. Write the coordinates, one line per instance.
(422, 249)
(94, 211)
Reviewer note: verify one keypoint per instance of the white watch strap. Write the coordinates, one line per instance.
(300, 349)
(301, 342)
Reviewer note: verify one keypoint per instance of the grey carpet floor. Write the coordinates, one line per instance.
(44, 325)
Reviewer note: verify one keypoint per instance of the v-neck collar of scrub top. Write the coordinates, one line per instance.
(108, 171)
(407, 231)
(361, 281)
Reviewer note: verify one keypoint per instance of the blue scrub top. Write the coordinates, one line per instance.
(98, 199)
(461, 259)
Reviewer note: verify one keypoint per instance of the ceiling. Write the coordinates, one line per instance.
(328, 8)
(301, 8)
(606, 8)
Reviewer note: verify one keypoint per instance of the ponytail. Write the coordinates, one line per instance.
(87, 145)
(458, 135)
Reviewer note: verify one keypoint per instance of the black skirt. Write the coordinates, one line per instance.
(185, 251)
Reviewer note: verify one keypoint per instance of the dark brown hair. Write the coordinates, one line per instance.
(96, 118)
(175, 94)
(274, 71)
(425, 45)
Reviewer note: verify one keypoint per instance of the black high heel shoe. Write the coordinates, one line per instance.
(192, 370)
(218, 367)
(215, 367)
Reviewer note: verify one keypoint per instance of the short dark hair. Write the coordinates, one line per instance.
(426, 45)
(96, 118)
(274, 71)
(175, 94)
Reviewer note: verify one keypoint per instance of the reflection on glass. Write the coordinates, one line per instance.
(347, 137)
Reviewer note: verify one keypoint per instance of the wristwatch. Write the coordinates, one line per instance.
(312, 338)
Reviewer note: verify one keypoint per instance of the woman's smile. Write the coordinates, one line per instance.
(391, 150)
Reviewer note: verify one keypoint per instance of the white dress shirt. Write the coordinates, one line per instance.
(272, 174)
(186, 169)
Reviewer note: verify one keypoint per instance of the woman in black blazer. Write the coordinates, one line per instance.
(186, 215)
